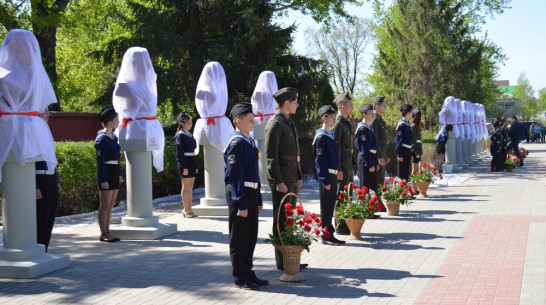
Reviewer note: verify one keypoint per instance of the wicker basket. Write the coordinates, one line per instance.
(291, 254)
(393, 207)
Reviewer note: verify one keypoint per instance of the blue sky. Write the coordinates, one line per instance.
(520, 32)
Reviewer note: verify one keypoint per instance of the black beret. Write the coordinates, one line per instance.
(378, 99)
(415, 112)
(182, 117)
(366, 107)
(340, 98)
(496, 124)
(107, 114)
(406, 108)
(285, 94)
(326, 109)
(240, 109)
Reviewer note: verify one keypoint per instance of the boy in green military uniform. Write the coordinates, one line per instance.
(344, 137)
(380, 128)
(282, 153)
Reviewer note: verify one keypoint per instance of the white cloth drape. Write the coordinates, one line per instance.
(448, 115)
(467, 123)
(263, 102)
(472, 121)
(24, 87)
(459, 125)
(135, 101)
(482, 119)
(211, 101)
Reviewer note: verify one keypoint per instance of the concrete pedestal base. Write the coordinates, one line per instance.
(210, 210)
(144, 233)
(31, 268)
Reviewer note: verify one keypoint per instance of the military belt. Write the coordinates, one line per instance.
(111, 162)
(332, 171)
(418, 141)
(43, 172)
(290, 158)
(406, 146)
(189, 154)
(253, 185)
(373, 151)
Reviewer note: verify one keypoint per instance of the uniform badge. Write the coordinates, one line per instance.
(231, 159)
(233, 143)
(99, 152)
(319, 151)
(363, 137)
(400, 133)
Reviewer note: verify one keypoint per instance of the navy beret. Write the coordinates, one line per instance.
(286, 94)
(240, 109)
(182, 117)
(366, 107)
(107, 114)
(406, 108)
(326, 109)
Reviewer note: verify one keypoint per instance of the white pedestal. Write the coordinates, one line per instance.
(459, 153)
(20, 255)
(140, 223)
(214, 203)
(259, 134)
(451, 152)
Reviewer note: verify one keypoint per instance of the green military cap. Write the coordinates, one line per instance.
(286, 94)
(378, 99)
(340, 98)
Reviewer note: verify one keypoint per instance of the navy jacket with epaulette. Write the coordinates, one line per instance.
(183, 143)
(241, 162)
(42, 165)
(403, 137)
(107, 149)
(326, 154)
(496, 142)
(366, 142)
(442, 141)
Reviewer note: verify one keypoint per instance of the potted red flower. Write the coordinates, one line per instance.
(394, 192)
(357, 208)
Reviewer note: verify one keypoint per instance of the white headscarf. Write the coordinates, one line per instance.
(135, 101)
(211, 102)
(24, 87)
(263, 102)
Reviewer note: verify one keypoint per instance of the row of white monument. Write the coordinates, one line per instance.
(22, 257)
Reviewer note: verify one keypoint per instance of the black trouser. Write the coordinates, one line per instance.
(366, 177)
(276, 198)
(46, 208)
(404, 166)
(502, 157)
(515, 147)
(243, 234)
(328, 202)
(496, 162)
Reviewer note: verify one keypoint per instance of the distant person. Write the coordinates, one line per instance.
(495, 148)
(440, 151)
(517, 134)
(532, 132)
(403, 140)
(108, 170)
(537, 132)
(47, 196)
(417, 151)
(184, 145)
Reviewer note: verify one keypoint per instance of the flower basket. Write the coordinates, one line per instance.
(301, 229)
(393, 207)
(355, 207)
(422, 187)
(511, 162)
(510, 168)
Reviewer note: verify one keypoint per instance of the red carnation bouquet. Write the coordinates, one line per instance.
(302, 228)
(427, 173)
(396, 189)
(363, 202)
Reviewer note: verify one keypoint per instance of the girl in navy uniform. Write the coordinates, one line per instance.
(326, 163)
(243, 197)
(185, 145)
(108, 170)
(404, 141)
(367, 146)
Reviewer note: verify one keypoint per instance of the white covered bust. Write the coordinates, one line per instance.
(25, 90)
(263, 102)
(135, 101)
(211, 102)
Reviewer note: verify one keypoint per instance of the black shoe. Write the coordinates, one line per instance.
(260, 282)
(343, 232)
(337, 241)
(302, 266)
(248, 285)
(383, 210)
(375, 216)
(329, 242)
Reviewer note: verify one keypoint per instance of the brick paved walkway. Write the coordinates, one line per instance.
(481, 242)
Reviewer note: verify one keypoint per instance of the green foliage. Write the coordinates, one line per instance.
(320, 10)
(427, 173)
(524, 93)
(396, 189)
(357, 204)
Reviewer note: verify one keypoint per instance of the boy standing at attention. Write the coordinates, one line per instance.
(243, 196)
(495, 148)
(326, 163)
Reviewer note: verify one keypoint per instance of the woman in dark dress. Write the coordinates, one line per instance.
(185, 145)
(108, 170)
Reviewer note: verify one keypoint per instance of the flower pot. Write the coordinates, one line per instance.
(422, 187)
(510, 168)
(393, 207)
(291, 256)
(448, 169)
(355, 226)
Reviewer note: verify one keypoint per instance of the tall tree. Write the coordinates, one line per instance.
(525, 93)
(342, 48)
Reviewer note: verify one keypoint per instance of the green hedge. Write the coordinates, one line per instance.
(77, 171)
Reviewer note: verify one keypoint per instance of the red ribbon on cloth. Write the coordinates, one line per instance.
(31, 113)
(261, 116)
(210, 120)
(124, 122)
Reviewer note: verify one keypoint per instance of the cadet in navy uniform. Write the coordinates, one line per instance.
(184, 145)
(495, 148)
(441, 142)
(108, 170)
(326, 164)
(403, 140)
(243, 196)
(367, 146)
(47, 197)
